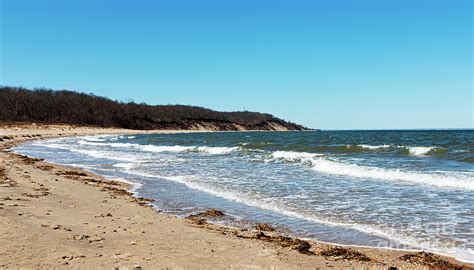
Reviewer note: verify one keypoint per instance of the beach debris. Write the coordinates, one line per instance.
(294, 243)
(428, 259)
(213, 213)
(208, 213)
(117, 191)
(96, 238)
(133, 243)
(142, 201)
(341, 253)
(56, 227)
(90, 239)
(31, 195)
(3, 174)
(27, 160)
(264, 227)
(198, 221)
(118, 256)
(114, 183)
(41, 191)
(72, 173)
(137, 267)
(69, 257)
(103, 215)
(302, 246)
(45, 167)
(5, 181)
(200, 218)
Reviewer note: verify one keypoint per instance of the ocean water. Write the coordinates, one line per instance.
(393, 189)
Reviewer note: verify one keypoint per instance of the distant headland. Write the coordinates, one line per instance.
(42, 105)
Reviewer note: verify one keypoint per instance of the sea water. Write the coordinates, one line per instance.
(393, 189)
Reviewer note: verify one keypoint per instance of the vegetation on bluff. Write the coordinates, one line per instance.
(68, 107)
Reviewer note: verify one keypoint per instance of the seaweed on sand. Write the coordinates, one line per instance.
(341, 253)
(208, 213)
(264, 227)
(429, 259)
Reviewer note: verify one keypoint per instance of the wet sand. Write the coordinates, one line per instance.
(54, 216)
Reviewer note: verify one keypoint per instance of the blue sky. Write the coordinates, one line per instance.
(326, 64)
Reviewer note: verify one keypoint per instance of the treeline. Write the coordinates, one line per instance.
(68, 107)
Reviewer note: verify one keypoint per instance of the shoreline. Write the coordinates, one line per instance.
(280, 251)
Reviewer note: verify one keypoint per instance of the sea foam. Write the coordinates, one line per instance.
(453, 180)
(328, 166)
(374, 147)
(293, 156)
(420, 150)
(216, 150)
(279, 207)
(163, 148)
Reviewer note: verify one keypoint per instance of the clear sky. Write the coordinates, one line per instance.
(325, 64)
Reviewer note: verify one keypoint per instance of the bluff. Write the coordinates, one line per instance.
(68, 107)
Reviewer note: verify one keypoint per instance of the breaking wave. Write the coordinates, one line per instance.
(374, 147)
(152, 148)
(453, 180)
(328, 166)
(420, 150)
(293, 156)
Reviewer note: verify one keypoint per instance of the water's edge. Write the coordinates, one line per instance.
(133, 187)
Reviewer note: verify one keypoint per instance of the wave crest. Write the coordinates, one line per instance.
(460, 181)
(293, 156)
(374, 147)
(420, 150)
(164, 148)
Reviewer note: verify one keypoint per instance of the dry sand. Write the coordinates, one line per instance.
(58, 217)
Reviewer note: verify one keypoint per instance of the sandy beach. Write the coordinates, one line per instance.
(54, 216)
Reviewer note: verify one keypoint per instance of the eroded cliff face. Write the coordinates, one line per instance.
(213, 125)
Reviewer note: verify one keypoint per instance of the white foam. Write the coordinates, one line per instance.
(179, 148)
(190, 182)
(121, 145)
(293, 156)
(105, 154)
(115, 145)
(135, 185)
(139, 173)
(99, 138)
(452, 180)
(419, 150)
(374, 147)
(216, 150)
(54, 146)
(159, 149)
(126, 166)
(148, 148)
(97, 141)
